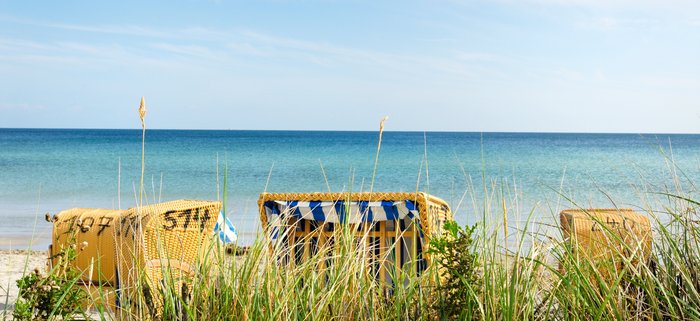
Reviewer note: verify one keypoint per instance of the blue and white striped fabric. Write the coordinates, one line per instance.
(339, 212)
(227, 232)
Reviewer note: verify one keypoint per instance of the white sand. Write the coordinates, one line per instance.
(14, 264)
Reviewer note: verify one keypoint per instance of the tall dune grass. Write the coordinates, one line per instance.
(526, 272)
(536, 278)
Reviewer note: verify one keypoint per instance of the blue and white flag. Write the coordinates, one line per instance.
(227, 232)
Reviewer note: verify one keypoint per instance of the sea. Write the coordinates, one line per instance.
(528, 176)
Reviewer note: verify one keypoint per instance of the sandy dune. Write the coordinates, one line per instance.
(13, 264)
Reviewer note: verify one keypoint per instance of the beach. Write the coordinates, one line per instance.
(350, 160)
(16, 263)
(512, 185)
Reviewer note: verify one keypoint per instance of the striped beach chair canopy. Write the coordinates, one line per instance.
(348, 208)
(394, 227)
(341, 211)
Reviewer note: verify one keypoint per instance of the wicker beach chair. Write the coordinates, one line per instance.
(140, 249)
(92, 232)
(395, 227)
(607, 238)
(159, 246)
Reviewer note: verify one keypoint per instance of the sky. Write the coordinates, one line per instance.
(479, 66)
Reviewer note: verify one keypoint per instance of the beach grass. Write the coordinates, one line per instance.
(513, 270)
(536, 277)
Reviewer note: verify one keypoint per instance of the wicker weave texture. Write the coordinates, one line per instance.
(433, 211)
(163, 238)
(94, 232)
(607, 234)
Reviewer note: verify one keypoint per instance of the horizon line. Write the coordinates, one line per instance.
(354, 131)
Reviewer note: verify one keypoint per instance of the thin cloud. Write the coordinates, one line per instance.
(479, 57)
(608, 23)
(688, 83)
(20, 106)
(246, 42)
(325, 54)
(440, 40)
(79, 53)
(326, 49)
(679, 5)
(34, 58)
(8, 44)
(600, 23)
(205, 45)
(128, 30)
(246, 48)
(187, 50)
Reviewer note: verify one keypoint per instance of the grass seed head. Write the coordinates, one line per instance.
(142, 111)
(381, 123)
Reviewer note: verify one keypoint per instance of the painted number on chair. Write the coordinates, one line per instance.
(186, 219)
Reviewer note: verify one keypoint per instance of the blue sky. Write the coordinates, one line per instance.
(528, 65)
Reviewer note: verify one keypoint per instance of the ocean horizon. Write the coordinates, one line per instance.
(49, 170)
(356, 131)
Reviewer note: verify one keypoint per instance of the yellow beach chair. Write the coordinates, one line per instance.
(606, 238)
(139, 249)
(396, 227)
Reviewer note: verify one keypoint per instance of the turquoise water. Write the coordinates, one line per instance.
(48, 170)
